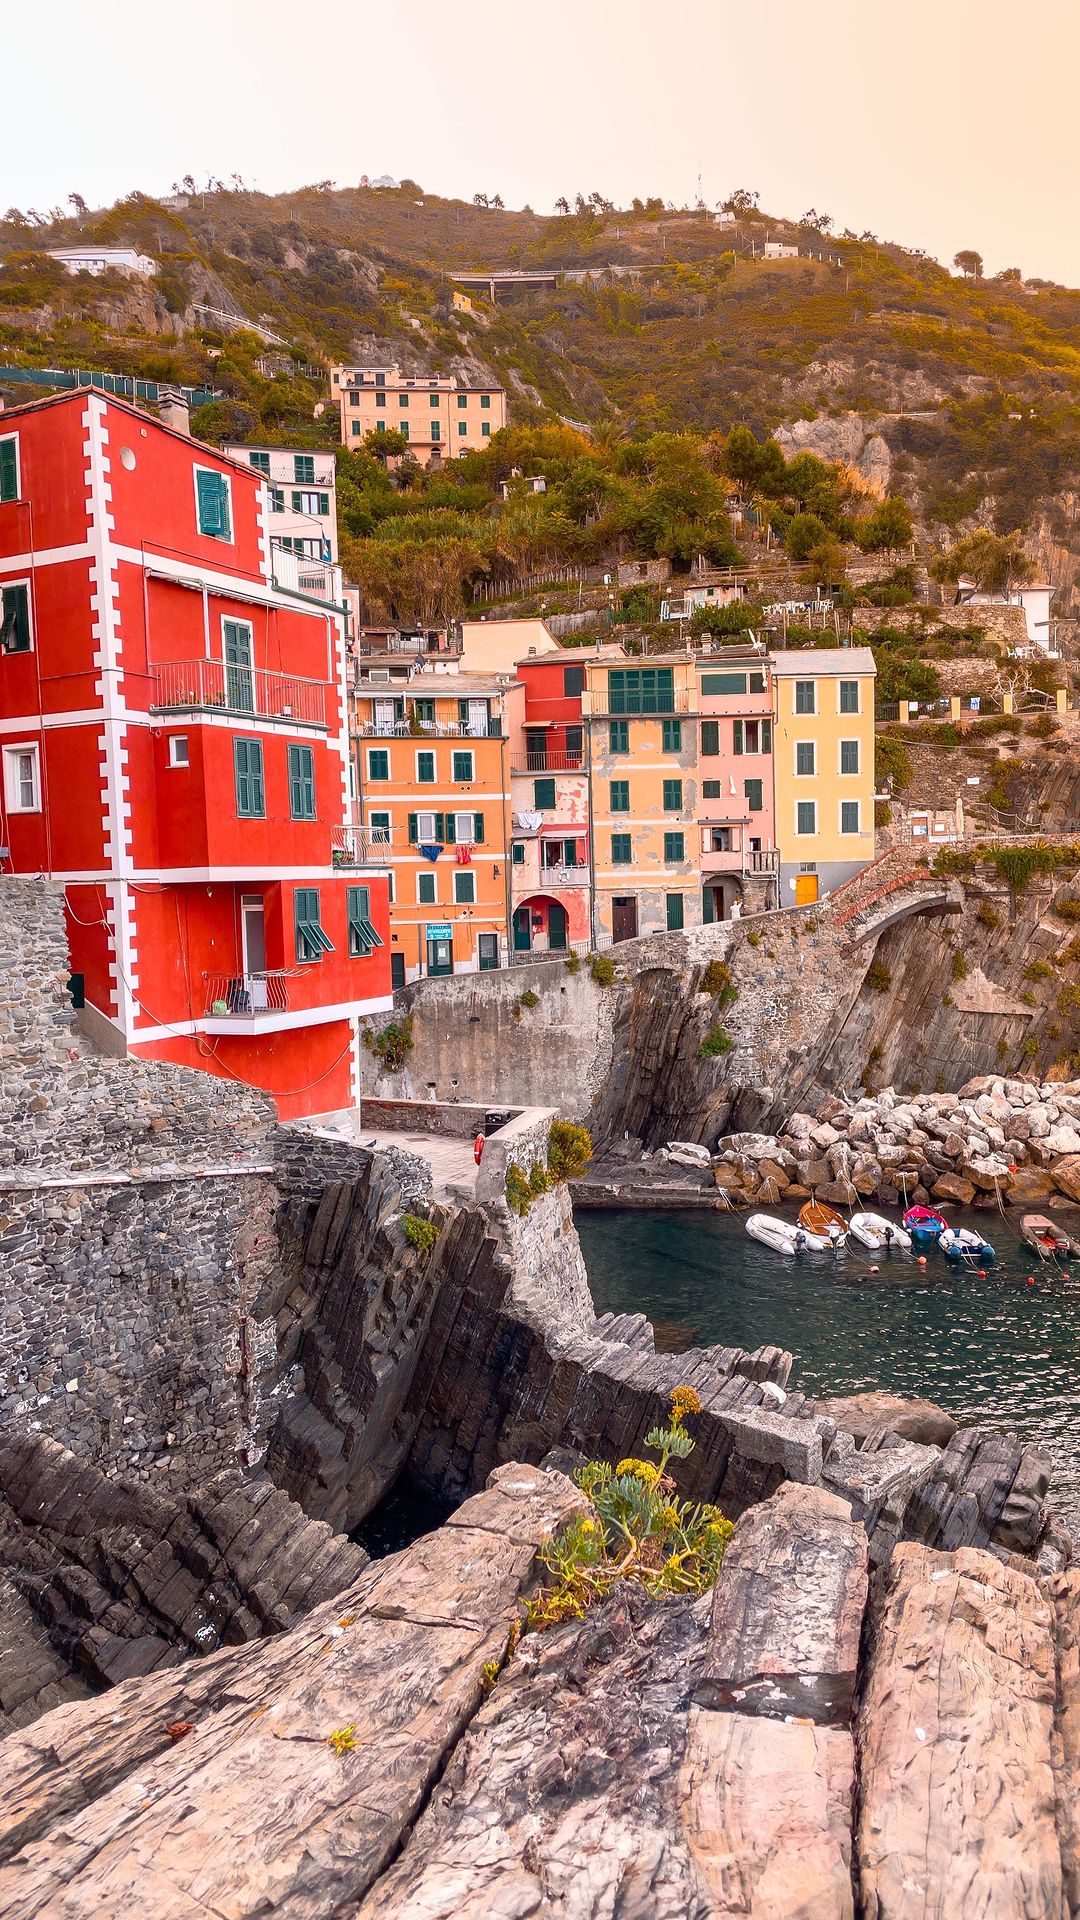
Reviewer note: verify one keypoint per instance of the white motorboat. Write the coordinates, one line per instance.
(872, 1230)
(959, 1243)
(786, 1236)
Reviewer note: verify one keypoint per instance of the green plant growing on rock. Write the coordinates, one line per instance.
(602, 968)
(342, 1740)
(1029, 998)
(1030, 1047)
(529, 998)
(878, 977)
(988, 916)
(716, 1043)
(635, 1528)
(1068, 910)
(717, 980)
(394, 1043)
(573, 963)
(523, 1188)
(1040, 969)
(958, 966)
(753, 938)
(419, 1233)
(569, 1150)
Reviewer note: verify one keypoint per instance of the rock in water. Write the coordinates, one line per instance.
(863, 1413)
(956, 1737)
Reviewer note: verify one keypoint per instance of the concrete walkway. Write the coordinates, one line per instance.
(451, 1161)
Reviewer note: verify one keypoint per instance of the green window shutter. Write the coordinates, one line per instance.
(378, 763)
(620, 796)
(806, 820)
(248, 776)
(674, 846)
(425, 769)
(412, 829)
(363, 938)
(712, 789)
(311, 941)
(710, 736)
(478, 829)
(849, 816)
(517, 853)
(672, 736)
(296, 500)
(425, 890)
(260, 461)
(302, 783)
(738, 729)
(543, 795)
(212, 495)
(723, 683)
(462, 767)
(849, 756)
(620, 849)
(9, 468)
(766, 736)
(804, 696)
(618, 736)
(849, 689)
(304, 469)
(448, 829)
(804, 756)
(675, 912)
(752, 789)
(672, 796)
(324, 503)
(15, 620)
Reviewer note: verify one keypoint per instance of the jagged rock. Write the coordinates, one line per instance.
(253, 1811)
(771, 1170)
(824, 1136)
(1032, 1183)
(787, 1611)
(768, 1194)
(861, 1414)
(800, 1126)
(1063, 1140)
(952, 1186)
(685, 1153)
(1067, 1175)
(955, 1734)
(988, 1172)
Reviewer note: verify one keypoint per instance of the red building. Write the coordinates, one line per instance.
(174, 742)
(550, 852)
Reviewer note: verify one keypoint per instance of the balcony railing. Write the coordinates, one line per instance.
(550, 762)
(428, 730)
(298, 573)
(576, 876)
(738, 859)
(185, 686)
(244, 996)
(359, 846)
(637, 706)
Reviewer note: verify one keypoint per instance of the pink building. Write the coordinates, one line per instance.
(736, 821)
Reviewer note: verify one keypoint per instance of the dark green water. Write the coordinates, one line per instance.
(994, 1350)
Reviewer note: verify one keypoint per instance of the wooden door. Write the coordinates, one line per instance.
(624, 917)
(806, 889)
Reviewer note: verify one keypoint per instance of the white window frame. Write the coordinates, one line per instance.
(13, 753)
(470, 780)
(812, 744)
(426, 839)
(435, 764)
(849, 680)
(462, 874)
(429, 874)
(850, 833)
(849, 775)
(804, 713)
(176, 741)
(468, 838)
(377, 777)
(806, 833)
(21, 580)
(18, 468)
(224, 541)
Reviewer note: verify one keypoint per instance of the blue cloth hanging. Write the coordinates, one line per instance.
(430, 851)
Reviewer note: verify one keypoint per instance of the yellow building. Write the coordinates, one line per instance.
(642, 752)
(440, 419)
(823, 768)
(433, 777)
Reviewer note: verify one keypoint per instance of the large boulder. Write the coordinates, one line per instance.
(861, 1414)
(1030, 1184)
(952, 1186)
(1066, 1174)
(1062, 1139)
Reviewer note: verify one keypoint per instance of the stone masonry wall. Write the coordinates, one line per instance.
(137, 1229)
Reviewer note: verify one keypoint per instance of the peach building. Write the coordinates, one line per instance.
(737, 848)
(439, 418)
(642, 746)
(433, 761)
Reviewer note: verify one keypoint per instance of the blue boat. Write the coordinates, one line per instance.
(925, 1227)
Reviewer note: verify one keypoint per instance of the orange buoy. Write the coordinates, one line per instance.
(922, 1259)
(478, 1148)
(1031, 1279)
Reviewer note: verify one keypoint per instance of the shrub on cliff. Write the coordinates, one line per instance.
(878, 977)
(717, 980)
(602, 968)
(717, 1041)
(393, 1043)
(523, 1188)
(419, 1233)
(569, 1150)
(635, 1529)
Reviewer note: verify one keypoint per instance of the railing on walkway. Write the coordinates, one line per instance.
(549, 762)
(243, 996)
(184, 686)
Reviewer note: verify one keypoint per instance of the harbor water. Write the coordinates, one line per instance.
(994, 1348)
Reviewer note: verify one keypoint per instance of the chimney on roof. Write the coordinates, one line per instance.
(173, 410)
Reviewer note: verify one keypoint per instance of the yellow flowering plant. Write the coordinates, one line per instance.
(635, 1529)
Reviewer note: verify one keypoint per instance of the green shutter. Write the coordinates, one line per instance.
(248, 773)
(15, 620)
(363, 939)
(425, 769)
(311, 940)
(675, 912)
(620, 796)
(672, 736)
(448, 831)
(478, 829)
(9, 468)
(752, 789)
(672, 796)
(213, 503)
(302, 783)
(517, 853)
(324, 503)
(710, 736)
(297, 506)
(412, 829)
(738, 736)
(543, 795)
(766, 736)
(674, 846)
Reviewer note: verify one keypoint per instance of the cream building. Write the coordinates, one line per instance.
(439, 418)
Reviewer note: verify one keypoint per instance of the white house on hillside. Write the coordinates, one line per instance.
(95, 260)
(1034, 599)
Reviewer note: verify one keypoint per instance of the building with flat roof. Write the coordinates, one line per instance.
(823, 767)
(438, 417)
(98, 260)
(302, 499)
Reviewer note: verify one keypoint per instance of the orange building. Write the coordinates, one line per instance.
(440, 419)
(433, 763)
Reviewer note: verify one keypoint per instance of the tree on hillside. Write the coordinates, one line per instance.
(821, 222)
(741, 201)
(888, 526)
(996, 562)
(480, 200)
(562, 204)
(498, 201)
(969, 263)
(78, 203)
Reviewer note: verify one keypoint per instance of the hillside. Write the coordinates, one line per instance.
(964, 396)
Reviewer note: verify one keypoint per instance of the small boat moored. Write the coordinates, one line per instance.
(925, 1227)
(816, 1217)
(960, 1243)
(1048, 1240)
(879, 1235)
(788, 1236)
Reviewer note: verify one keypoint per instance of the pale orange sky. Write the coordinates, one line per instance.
(938, 123)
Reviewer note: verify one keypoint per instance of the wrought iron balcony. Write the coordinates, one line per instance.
(242, 999)
(550, 762)
(360, 846)
(188, 686)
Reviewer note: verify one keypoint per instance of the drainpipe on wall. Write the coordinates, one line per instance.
(594, 933)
